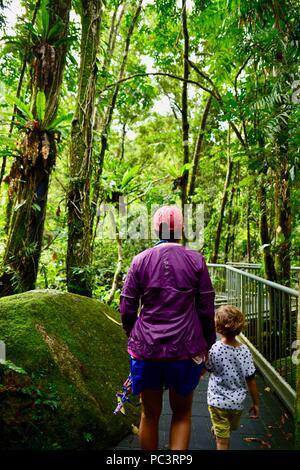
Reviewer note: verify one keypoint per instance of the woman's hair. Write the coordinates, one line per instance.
(229, 320)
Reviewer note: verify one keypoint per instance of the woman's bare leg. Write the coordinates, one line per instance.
(181, 420)
(150, 414)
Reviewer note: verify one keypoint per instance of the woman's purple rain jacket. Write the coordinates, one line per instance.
(176, 319)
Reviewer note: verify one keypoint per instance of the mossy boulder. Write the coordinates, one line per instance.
(74, 353)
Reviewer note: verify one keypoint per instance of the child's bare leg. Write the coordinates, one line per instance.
(222, 443)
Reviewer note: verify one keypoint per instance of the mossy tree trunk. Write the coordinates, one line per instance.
(29, 177)
(19, 89)
(79, 252)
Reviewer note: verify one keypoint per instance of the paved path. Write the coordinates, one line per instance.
(273, 430)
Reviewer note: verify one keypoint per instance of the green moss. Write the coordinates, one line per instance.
(69, 341)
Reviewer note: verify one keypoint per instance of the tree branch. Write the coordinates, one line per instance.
(239, 73)
(236, 94)
(202, 74)
(238, 134)
(163, 74)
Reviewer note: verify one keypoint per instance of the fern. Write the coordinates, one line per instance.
(129, 175)
(55, 124)
(23, 107)
(56, 28)
(45, 17)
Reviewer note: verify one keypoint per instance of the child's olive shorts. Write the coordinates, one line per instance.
(224, 421)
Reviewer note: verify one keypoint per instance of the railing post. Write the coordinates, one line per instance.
(237, 297)
(228, 285)
(243, 294)
(260, 319)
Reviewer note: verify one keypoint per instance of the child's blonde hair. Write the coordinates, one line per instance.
(229, 320)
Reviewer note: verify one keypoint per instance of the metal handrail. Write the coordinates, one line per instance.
(241, 263)
(285, 289)
(270, 310)
(254, 265)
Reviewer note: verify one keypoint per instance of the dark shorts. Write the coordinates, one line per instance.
(182, 375)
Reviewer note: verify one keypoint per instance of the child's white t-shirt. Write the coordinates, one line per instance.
(229, 367)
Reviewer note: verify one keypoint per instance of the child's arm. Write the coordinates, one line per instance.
(251, 383)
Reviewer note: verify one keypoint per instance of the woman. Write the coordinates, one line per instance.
(169, 339)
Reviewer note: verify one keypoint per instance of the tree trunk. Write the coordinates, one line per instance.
(283, 234)
(199, 147)
(32, 169)
(112, 38)
(114, 30)
(283, 222)
(248, 227)
(79, 253)
(223, 203)
(19, 88)
(235, 221)
(264, 234)
(109, 112)
(119, 262)
(184, 109)
(229, 227)
(121, 149)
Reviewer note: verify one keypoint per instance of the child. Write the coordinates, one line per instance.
(232, 371)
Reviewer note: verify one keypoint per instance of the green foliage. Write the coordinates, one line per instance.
(129, 175)
(61, 121)
(8, 365)
(24, 408)
(45, 16)
(43, 30)
(88, 436)
(23, 107)
(24, 117)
